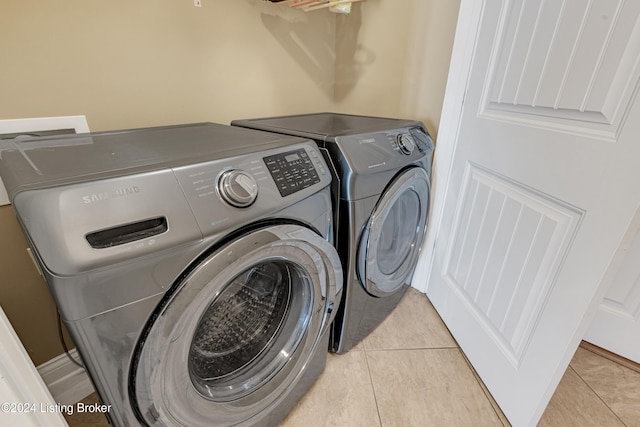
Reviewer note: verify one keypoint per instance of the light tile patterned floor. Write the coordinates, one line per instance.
(410, 372)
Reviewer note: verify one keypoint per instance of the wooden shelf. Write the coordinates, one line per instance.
(340, 6)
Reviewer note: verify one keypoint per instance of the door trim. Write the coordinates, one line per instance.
(457, 83)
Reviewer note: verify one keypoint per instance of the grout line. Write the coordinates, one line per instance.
(596, 393)
(411, 348)
(373, 389)
(485, 390)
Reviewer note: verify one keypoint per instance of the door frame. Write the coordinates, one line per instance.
(464, 45)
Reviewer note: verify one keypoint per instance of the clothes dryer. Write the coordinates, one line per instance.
(192, 265)
(381, 188)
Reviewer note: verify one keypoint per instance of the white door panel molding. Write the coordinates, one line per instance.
(616, 325)
(506, 250)
(570, 66)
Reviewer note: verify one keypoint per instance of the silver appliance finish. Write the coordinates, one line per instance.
(381, 171)
(186, 309)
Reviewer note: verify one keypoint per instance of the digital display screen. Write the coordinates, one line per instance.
(292, 158)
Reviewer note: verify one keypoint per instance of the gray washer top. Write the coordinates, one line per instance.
(38, 162)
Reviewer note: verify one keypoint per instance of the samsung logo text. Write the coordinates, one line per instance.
(107, 195)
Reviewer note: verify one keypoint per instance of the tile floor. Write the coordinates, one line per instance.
(410, 372)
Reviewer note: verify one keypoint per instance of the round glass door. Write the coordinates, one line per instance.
(234, 334)
(391, 241)
(239, 341)
(398, 228)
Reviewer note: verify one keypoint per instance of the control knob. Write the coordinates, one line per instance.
(237, 188)
(405, 143)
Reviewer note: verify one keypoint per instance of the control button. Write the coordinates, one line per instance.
(237, 188)
(405, 143)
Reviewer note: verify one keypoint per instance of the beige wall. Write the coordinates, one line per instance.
(129, 63)
(133, 63)
(393, 58)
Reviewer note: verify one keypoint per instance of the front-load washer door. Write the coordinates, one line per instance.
(237, 330)
(390, 242)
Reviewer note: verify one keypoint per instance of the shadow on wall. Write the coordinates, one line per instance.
(313, 40)
(352, 57)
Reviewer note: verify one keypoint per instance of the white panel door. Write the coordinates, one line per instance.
(616, 326)
(536, 184)
(25, 399)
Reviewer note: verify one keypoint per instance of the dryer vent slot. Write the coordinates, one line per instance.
(127, 233)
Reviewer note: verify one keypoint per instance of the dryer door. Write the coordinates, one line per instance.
(391, 241)
(236, 331)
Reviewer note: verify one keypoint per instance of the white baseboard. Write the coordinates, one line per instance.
(67, 382)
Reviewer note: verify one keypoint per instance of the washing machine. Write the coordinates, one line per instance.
(192, 265)
(381, 169)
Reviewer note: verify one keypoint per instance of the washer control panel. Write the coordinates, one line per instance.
(238, 188)
(227, 192)
(292, 171)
